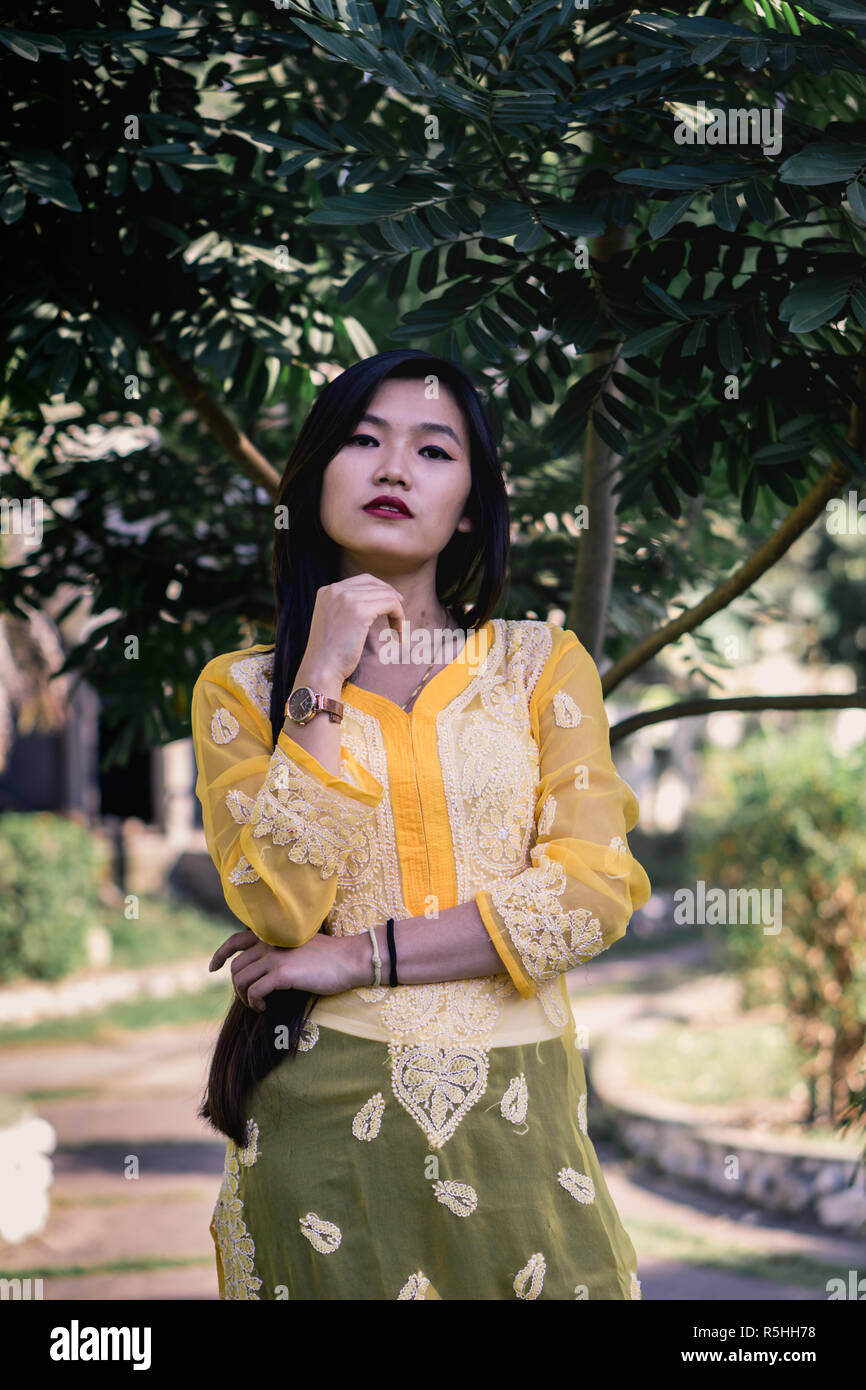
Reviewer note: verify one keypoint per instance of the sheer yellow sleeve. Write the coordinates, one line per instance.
(278, 825)
(583, 884)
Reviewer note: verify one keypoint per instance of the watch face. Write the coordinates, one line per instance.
(301, 703)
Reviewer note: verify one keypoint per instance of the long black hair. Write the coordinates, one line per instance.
(470, 578)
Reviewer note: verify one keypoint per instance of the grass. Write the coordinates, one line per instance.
(745, 1060)
(207, 1005)
(658, 1240)
(168, 928)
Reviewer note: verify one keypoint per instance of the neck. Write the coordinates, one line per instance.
(431, 616)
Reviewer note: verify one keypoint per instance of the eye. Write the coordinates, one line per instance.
(440, 452)
(356, 437)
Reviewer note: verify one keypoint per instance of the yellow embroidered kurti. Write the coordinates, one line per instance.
(429, 1141)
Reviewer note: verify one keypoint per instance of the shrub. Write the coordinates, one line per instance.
(782, 811)
(49, 894)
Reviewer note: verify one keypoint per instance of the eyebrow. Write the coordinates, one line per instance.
(423, 428)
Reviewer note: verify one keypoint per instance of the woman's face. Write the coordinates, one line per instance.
(408, 447)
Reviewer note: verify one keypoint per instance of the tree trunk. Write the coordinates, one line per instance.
(596, 550)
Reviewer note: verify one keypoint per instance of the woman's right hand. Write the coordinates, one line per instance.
(341, 620)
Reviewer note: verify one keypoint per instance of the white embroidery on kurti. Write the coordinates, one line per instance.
(547, 817)
(415, 1287)
(555, 1007)
(515, 1101)
(243, 872)
(566, 713)
(459, 1197)
(634, 1287)
(319, 826)
(254, 675)
(239, 805)
(309, 1035)
(580, 1185)
(368, 1121)
(581, 1114)
(548, 938)
(250, 1152)
(528, 1283)
(236, 1246)
(223, 725)
(438, 1087)
(617, 858)
(324, 1236)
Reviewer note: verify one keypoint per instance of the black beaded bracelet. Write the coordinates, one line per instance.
(392, 954)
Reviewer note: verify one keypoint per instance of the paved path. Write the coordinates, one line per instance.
(138, 1114)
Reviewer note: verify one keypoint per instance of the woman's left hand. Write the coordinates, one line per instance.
(322, 965)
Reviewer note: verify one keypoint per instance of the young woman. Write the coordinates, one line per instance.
(413, 810)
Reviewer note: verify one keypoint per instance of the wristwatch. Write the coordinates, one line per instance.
(304, 703)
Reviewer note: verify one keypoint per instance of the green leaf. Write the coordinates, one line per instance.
(695, 339)
(23, 47)
(503, 219)
(653, 337)
(12, 204)
(665, 302)
(483, 343)
(856, 195)
(849, 455)
(668, 216)
(558, 360)
(680, 175)
(539, 381)
(633, 388)
(418, 232)
(729, 344)
(809, 319)
(398, 277)
(760, 202)
(824, 162)
(609, 434)
(170, 177)
(574, 221)
(750, 495)
(428, 271)
(784, 489)
(725, 208)
(196, 249)
(142, 173)
(858, 303)
(519, 312)
(666, 495)
(710, 49)
(623, 413)
(496, 325)
(353, 209)
(441, 223)
(518, 399)
(771, 455)
(355, 281)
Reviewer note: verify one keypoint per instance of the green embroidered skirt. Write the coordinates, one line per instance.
(337, 1194)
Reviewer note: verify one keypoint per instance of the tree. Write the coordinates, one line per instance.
(481, 159)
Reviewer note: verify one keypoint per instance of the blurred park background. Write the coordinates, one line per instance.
(209, 210)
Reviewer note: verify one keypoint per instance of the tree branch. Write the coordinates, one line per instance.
(684, 708)
(772, 550)
(214, 419)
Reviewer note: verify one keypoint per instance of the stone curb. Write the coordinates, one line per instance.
(824, 1180)
(91, 990)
